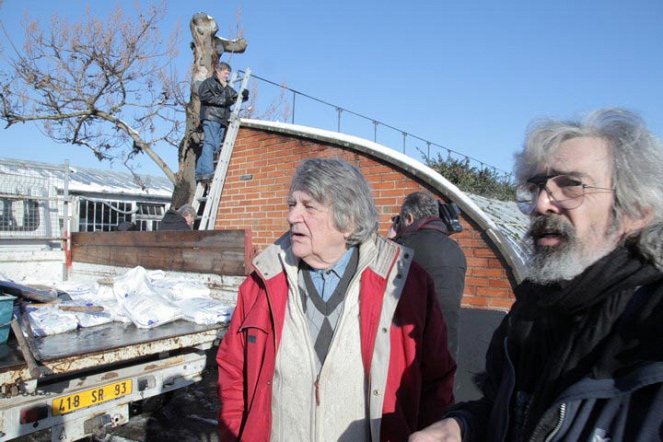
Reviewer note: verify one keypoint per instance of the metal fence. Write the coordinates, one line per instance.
(281, 103)
(108, 214)
(31, 206)
(36, 203)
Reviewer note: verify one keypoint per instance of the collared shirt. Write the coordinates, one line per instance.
(326, 280)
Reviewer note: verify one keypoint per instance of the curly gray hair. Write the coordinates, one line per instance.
(638, 162)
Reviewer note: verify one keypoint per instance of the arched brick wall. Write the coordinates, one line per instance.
(256, 188)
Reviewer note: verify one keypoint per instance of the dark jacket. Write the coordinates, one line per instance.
(445, 262)
(596, 375)
(216, 100)
(173, 220)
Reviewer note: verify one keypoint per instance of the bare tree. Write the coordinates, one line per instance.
(108, 85)
(98, 83)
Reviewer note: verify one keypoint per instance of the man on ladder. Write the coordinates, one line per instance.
(210, 189)
(216, 99)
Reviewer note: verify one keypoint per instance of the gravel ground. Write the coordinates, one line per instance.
(188, 415)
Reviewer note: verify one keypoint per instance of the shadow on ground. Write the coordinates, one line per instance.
(186, 415)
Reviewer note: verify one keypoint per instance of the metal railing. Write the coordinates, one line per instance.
(334, 117)
(30, 204)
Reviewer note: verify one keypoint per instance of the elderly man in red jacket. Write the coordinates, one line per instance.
(337, 334)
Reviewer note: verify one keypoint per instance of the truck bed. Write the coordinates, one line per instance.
(80, 349)
(78, 368)
(87, 377)
(112, 337)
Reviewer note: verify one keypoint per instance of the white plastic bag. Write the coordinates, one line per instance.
(145, 307)
(50, 320)
(204, 310)
(88, 318)
(180, 288)
(115, 310)
(78, 289)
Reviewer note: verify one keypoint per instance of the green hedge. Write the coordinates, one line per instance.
(483, 181)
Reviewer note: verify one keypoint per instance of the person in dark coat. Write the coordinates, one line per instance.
(216, 99)
(420, 228)
(180, 219)
(126, 226)
(579, 357)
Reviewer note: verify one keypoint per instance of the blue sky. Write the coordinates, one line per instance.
(468, 75)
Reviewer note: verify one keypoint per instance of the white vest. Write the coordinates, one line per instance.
(339, 413)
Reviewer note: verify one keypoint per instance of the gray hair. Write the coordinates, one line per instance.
(638, 162)
(420, 205)
(187, 209)
(341, 186)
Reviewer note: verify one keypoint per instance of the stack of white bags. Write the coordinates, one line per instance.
(146, 298)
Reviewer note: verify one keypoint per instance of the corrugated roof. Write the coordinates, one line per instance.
(85, 180)
(510, 220)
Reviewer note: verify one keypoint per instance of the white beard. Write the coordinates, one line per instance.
(568, 259)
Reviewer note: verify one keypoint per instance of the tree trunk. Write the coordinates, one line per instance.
(185, 187)
(207, 50)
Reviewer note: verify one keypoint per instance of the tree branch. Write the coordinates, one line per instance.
(140, 143)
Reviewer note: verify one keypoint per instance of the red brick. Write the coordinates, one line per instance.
(500, 283)
(476, 301)
(484, 252)
(260, 203)
(493, 292)
(477, 282)
(484, 271)
(477, 262)
(499, 303)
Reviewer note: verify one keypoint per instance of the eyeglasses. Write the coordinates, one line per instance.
(565, 191)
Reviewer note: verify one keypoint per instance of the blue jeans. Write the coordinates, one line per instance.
(213, 132)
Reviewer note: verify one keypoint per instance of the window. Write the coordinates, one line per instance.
(106, 215)
(103, 216)
(148, 215)
(19, 215)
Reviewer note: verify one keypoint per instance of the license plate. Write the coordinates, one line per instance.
(93, 396)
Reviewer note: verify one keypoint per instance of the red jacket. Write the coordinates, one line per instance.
(418, 382)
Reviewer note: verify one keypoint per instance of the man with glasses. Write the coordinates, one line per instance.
(580, 354)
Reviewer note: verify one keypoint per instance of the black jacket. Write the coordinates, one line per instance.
(216, 100)
(445, 262)
(173, 220)
(582, 361)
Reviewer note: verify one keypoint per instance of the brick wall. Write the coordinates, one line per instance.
(256, 189)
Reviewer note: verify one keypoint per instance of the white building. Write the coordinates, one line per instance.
(40, 202)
